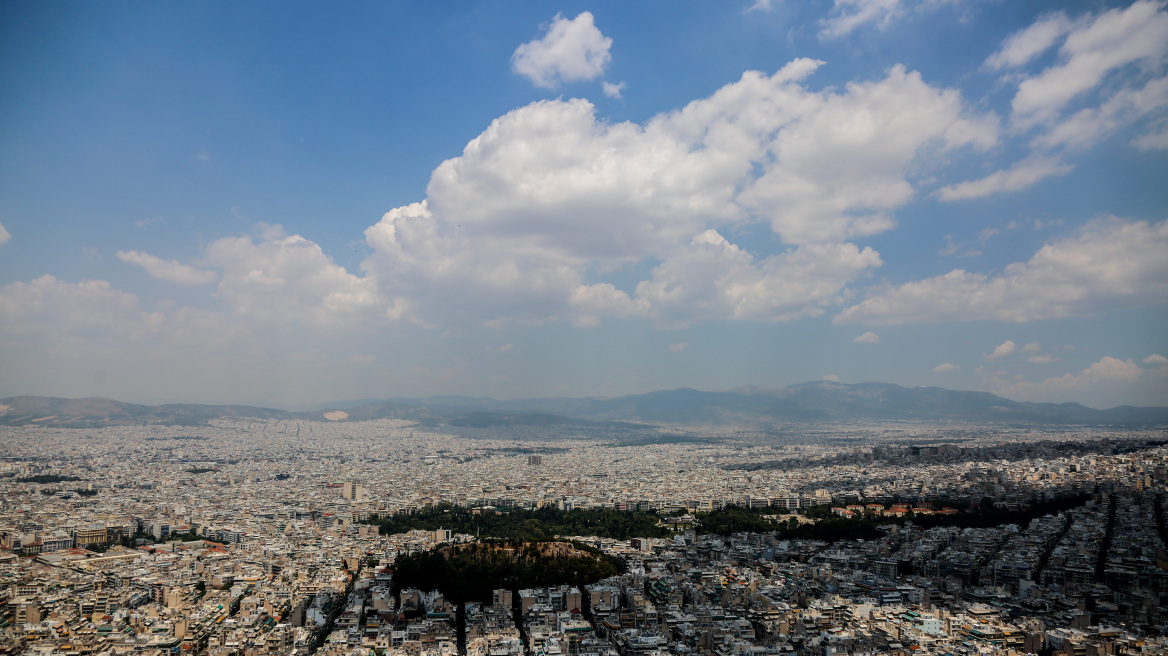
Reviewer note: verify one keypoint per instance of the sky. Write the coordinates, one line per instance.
(283, 203)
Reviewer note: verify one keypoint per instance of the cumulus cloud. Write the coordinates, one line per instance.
(840, 169)
(526, 223)
(867, 338)
(529, 221)
(714, 279)
(569, 51)
(851, 14)
(273, 282)
(1105, 375)
(1107, 264)
(287, 278)
(831, 378)
(613, 90)
(833, 164)
(169, 270)
(1091, 50)
(4, 235)
(1155, 360)
(46, 303)
(1041, 359)
(47, 308)
(1002, 350)
(945, 367)
(1022, 175)
(1032, 347)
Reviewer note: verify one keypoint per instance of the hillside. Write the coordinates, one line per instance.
(807, 402)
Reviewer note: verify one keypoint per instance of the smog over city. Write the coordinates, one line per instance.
(584, 329)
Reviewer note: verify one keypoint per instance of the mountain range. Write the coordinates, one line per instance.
(803, 403)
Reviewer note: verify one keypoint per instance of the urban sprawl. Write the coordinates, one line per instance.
(248, 538)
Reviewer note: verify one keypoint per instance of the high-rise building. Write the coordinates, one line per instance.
(352, 491)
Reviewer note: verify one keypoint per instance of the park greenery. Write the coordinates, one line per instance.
(541, 524)
(831, 528)
(45, 479)
(548, 523)
(470, 572)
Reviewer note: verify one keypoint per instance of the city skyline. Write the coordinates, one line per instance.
(274, 205)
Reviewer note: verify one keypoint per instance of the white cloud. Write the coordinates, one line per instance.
(48, 304)
(4, 235)
(840, 168)
(569, 51)
(150, 220)
(1091, 124)
(1155, 359)
(945, 368)
(1108, 264)
(1002, 350)
(289, 279)
(1152, 140)
(851, 14)
(526, 224)
(760, 5)
(442, 270)
(1111, 40)
(1041, 359)
(831, 378)
(613, 90)
(52, 310)
(169, 270)
(1103, 376)
(1022, 175)
(678, 347)
(714, 279)
(1032, 347)
(269, 285)
(867, 338)
(1025, 45)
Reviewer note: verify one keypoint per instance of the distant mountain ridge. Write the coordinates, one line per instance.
(806, 402)
(814, 401)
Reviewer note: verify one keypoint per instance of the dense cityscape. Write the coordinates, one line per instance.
(590, 328)
(255, 537)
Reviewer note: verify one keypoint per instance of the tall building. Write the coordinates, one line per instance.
(352, 491)
(160, 530)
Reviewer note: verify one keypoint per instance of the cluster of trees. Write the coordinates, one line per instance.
(518, 524)
(470, 572)
(45, 479)
(547, 523)
(830, 528)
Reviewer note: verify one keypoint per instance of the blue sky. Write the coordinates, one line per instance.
(277, 203)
